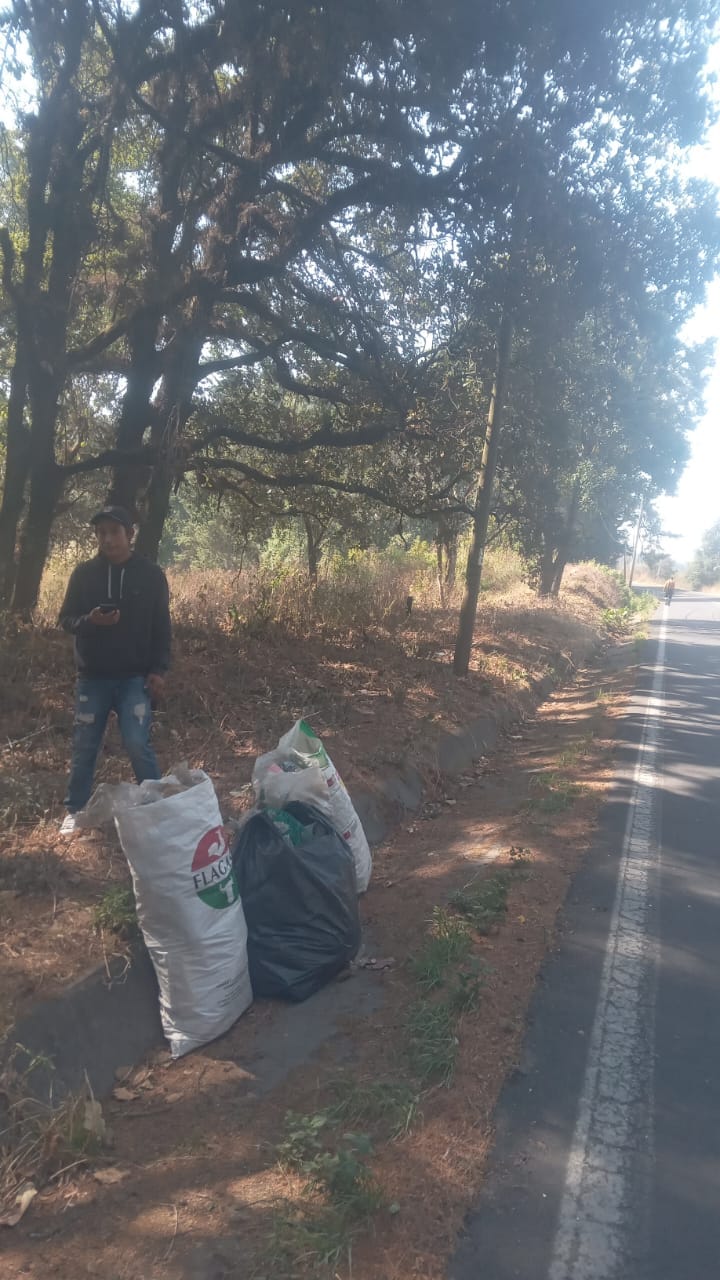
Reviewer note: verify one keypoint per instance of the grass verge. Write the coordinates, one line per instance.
(40, 1140)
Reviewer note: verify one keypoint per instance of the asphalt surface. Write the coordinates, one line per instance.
(607, 1159)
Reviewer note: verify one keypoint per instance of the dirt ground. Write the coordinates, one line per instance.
(190, 1186)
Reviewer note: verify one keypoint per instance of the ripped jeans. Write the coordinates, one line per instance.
(94, 700)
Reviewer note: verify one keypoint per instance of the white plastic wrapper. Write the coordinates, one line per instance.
(188, 904)
(314, 781)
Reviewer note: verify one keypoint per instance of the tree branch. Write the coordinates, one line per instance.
(319, 481)
(323, 438)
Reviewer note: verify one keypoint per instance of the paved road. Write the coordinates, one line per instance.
(607, 1161)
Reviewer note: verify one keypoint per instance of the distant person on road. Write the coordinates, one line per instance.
(669, 590)
(116, 606)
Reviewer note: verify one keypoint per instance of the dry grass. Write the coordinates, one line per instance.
(356, 589)
(41, 1140)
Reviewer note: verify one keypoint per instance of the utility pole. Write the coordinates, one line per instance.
(637, 539)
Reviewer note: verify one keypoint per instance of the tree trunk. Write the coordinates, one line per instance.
(171, 412)
(451, 551)
(46, 377)
(483, 501)
(136, 413)
(440, 569)
(547, 568)
(17, 470)
(314, 541)
(563, 553)
(636, 541)
(46, 487)
(157, 505)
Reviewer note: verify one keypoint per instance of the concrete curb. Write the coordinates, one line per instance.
(110, 1020)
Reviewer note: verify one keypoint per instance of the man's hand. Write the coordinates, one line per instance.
(155, 685)
(100, 619)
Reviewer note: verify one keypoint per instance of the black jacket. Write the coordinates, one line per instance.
(140, 642)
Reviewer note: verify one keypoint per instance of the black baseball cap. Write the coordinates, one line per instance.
(118, 514)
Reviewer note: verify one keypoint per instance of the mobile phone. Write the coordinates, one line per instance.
(107, 608)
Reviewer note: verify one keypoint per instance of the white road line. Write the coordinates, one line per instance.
(598, 1226)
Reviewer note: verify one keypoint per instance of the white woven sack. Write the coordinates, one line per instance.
(189, 909)
(301, 745)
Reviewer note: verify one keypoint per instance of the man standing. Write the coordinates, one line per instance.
(116, 606)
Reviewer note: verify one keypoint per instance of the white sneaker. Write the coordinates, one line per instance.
(69, 826)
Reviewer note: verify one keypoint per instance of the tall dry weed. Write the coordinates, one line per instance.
(354, 590)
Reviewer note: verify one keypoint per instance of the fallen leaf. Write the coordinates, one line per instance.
(376, 965)
(173, 1097)
(108, 1177)
(125, 1095)
(93, 1121)
(23, 1200)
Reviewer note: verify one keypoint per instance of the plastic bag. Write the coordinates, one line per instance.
(189, 907)
(317, 782)
(300, 903)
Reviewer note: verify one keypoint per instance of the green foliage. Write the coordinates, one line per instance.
(466, 991)
(116, 912)
(342, 1188)
(313, 1238)
(555, 793)
(634, 608)
(448, 944)
(335, 371)
(432, 1040)
(483, 901)
(388, 1107)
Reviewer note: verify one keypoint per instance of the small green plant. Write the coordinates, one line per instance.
(432, 1041)
(447, 944)
(575, 752)
(333, 1166)
(556, 793)
(467, 989)
(345, 1179)
(116, 912)
(316, 1237)
(343, 1190)
(389, 1107)
(483, 902)
(303, 1139)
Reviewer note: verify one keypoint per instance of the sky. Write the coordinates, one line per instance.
(696, 505)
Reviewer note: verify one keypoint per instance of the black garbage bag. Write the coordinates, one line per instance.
(300, 903)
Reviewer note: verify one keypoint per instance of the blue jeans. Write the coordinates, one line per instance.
(95, 699)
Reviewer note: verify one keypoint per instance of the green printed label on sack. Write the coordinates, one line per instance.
(212, 870)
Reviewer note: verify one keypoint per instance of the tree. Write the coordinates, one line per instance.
(611, 168)
(704, 568)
